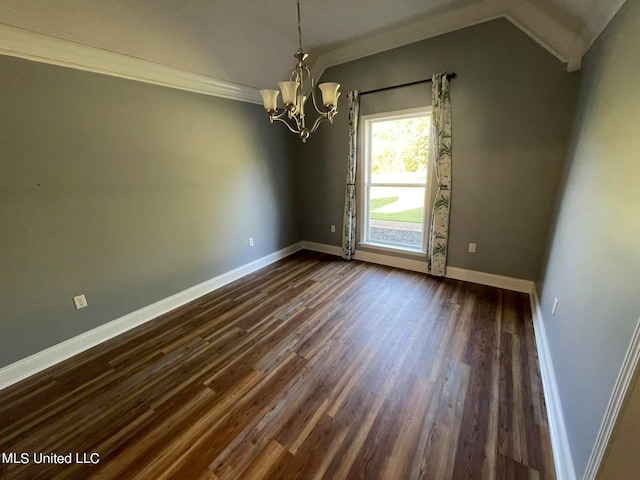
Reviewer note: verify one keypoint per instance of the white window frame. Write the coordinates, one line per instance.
(365, 181)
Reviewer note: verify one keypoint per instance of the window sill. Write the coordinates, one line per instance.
(414, 252)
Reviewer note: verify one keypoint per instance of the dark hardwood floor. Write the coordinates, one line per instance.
(310, 368)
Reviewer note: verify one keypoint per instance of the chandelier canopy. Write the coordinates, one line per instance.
(294, 97)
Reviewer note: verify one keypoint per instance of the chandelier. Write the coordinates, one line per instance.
(293, 96)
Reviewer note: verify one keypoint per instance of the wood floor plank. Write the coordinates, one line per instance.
(311, 368)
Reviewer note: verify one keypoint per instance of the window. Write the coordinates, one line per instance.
(395, 183)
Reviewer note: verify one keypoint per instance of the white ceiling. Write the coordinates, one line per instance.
(251, 42)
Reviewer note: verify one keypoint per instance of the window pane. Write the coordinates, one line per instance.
(400, 150)
(396, 215)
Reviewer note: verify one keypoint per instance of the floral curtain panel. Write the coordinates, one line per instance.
(349, 224)
(441, 137)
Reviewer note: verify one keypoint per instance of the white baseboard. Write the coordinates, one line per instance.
(629, 365)
(559, 440)
(322, 248)
(391, 261)
(42, 360)
(489, 279)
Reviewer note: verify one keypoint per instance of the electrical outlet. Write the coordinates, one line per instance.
(251, 242)
(555, 306)
(333, 229)
(80, 301)
(472, 248)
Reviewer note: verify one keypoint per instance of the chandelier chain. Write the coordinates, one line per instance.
(299, 28)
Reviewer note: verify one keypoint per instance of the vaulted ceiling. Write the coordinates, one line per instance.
(251, 42)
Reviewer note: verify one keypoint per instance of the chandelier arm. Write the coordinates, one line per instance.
(309, 76)
(296, 118)
(313, 94)
(277, 115)
(318, 121)
(287, 124)
(315, 105)
(299, 112)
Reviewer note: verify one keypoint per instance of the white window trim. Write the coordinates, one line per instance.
(363, 220)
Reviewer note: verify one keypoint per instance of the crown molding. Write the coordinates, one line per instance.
(563, 42)
(17, 42)
(601, 15)
(557, 38)
(578, 49)
(428, 27)
(545, 30)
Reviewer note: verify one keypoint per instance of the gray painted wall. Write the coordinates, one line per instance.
(512, 104)
(593, 261)
(128, 193)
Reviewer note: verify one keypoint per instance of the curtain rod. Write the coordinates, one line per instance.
(428, 80)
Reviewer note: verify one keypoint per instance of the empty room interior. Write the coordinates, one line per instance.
(430, 271)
